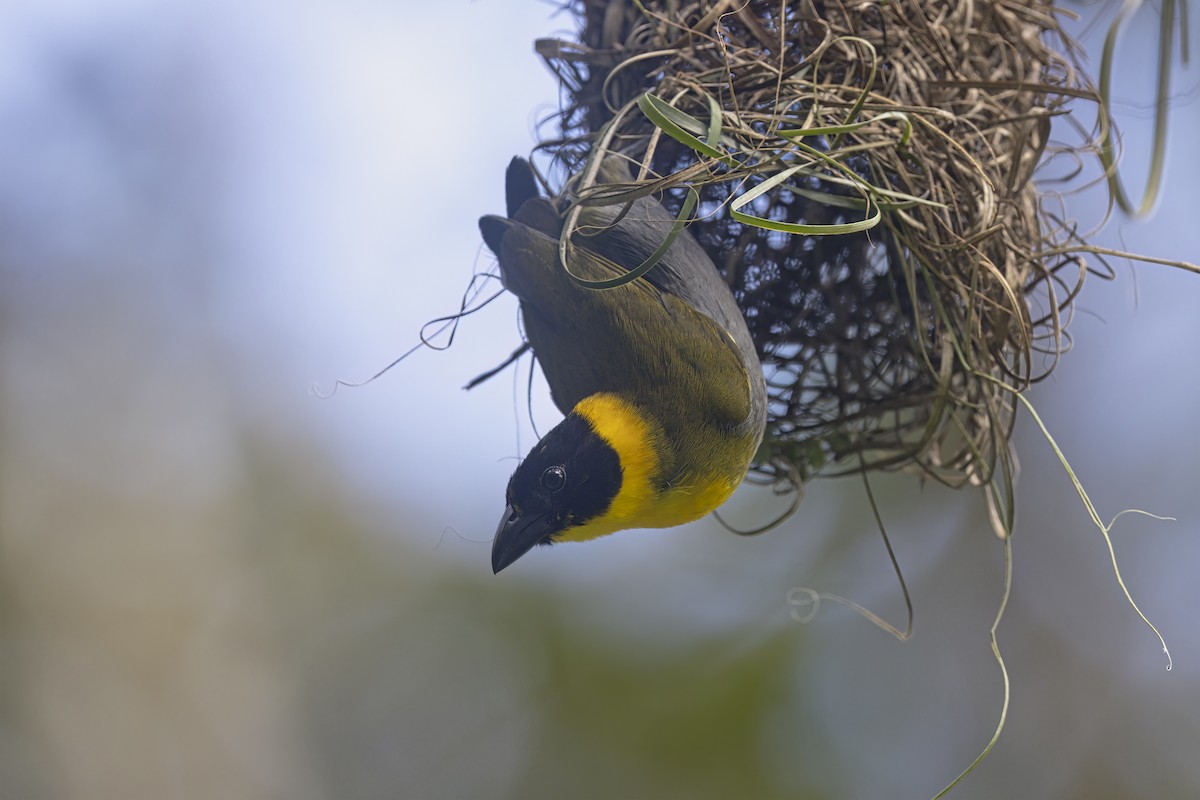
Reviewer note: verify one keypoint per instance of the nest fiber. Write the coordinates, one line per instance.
(861, 174)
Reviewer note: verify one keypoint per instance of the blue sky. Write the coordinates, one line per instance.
(325, 164)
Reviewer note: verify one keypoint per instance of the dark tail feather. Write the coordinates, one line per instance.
(520, 185)
(493, 229)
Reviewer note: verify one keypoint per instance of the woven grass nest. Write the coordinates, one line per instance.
(861, 174)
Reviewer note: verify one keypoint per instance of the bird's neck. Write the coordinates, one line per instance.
(652, 494)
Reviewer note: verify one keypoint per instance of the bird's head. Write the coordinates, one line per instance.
(591, 475)
(569, 479)
(608, 466)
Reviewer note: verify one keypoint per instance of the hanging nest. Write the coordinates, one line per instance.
(861, 174)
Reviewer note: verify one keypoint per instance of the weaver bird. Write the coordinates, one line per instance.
(662, 389)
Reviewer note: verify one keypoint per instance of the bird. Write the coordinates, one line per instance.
(662, 390)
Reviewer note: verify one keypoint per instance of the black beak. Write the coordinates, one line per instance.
(516, 536)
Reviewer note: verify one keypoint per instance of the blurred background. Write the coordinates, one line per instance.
(216, 584)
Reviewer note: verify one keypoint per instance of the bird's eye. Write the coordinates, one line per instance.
(553, 479)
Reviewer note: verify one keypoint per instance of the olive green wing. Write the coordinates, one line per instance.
(633, 340)
(628, 235)
(672, 337)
